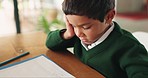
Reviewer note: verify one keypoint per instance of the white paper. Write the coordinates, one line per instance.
(37, 67)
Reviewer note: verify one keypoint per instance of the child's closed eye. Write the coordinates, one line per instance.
(87, 27)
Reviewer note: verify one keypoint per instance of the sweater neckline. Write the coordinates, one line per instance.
(105, 44)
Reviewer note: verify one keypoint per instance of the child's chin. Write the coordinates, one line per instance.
(87, 43)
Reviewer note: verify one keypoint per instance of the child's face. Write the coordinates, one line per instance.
(88, 30)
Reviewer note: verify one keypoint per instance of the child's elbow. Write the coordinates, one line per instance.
(48, 45)
(51, 46)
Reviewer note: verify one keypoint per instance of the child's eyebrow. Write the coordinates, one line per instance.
(84, 24)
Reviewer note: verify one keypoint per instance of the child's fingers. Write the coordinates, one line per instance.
(67, 22)
(69, 28)
(68, 25)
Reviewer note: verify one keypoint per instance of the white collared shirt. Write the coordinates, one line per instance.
(103, 37)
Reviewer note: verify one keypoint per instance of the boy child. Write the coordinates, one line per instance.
(98, 41)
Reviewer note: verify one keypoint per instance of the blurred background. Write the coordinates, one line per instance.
(25, 16)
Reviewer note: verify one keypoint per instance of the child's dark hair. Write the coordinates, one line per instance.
(95, 9)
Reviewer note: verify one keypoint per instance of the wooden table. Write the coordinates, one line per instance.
(35, 43)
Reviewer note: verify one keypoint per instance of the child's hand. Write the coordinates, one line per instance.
(69, 33)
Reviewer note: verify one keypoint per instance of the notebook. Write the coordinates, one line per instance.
(37, 67)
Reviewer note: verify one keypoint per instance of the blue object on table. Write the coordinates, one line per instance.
(14, 58)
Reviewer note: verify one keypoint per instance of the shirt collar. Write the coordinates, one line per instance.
(103, 37)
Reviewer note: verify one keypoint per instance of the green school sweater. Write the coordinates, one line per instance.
(118, 56)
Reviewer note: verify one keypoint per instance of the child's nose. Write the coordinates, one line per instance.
(79, 32)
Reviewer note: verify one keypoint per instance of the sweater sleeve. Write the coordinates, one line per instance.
(135, 62)
(55, 42)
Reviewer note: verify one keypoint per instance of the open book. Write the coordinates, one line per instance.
(37, 67)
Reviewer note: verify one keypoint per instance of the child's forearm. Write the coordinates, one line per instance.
(66, 35)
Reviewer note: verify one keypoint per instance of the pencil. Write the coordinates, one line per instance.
(13, 58)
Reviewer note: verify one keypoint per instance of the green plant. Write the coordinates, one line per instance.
(57, 24)
(43, 24)
(46, 26)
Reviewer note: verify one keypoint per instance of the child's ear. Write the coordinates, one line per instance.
(109, 16)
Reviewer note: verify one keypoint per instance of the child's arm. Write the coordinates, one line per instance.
(135, 63)
(61, 39)
(56, 42)
(69, 33)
